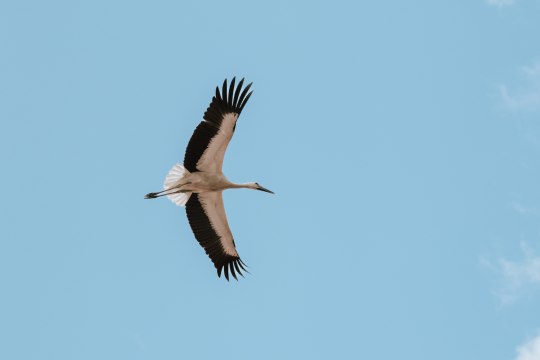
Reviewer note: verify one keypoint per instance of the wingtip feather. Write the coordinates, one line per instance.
(237, 268)
(226, 272)
(232, 270)
(224, 90)
(231, 91)
(245, 101)
(237, 93)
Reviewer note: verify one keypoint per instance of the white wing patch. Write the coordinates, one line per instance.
(174, 178)
(212, 203)
(212, 158)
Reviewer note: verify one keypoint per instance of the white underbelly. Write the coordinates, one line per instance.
(200, 182)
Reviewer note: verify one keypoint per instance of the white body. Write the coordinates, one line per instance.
(180, 183)
(202, 182)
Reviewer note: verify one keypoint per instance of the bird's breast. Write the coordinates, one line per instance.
(202, 182)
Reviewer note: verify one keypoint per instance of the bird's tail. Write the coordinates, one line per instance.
(172, 186)
(175, 179)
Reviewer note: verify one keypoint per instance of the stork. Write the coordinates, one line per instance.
(198, 184)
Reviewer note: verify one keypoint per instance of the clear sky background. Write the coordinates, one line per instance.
(402, 139)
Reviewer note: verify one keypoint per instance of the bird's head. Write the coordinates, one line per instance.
(256, 186)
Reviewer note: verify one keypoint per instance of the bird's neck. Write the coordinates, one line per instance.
(242, 186)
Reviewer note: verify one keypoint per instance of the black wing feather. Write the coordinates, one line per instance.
(226, 102)
(210, 240)
(237, 94)
(243, 95)
(198, 143)
(245, 100)
(224, 90)
(231, 92)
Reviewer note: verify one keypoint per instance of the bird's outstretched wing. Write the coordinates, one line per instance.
(206, 216)
(207, 146)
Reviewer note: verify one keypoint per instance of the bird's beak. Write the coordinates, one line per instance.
(264, 189)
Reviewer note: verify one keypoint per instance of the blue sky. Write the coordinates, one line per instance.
(401, 139)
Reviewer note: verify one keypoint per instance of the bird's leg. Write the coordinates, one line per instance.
(174, 190)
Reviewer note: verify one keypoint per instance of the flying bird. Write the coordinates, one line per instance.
(198, 184)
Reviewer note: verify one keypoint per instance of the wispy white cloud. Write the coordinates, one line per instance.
(530, 350)
(501, 3)
(520, 208)
(532, 70)
(517, 277)
(524, 100)
(529, 96)
(524, 209)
